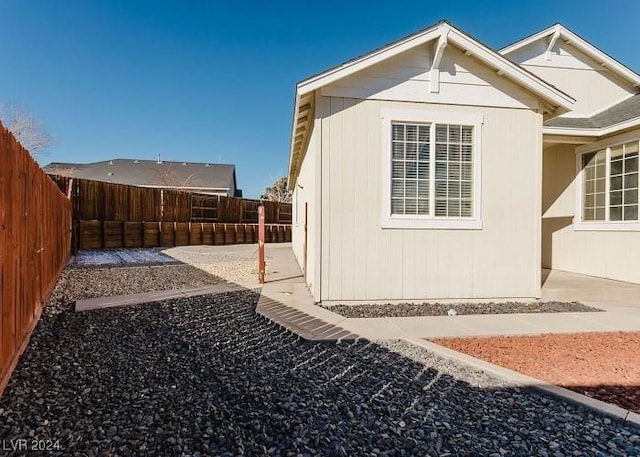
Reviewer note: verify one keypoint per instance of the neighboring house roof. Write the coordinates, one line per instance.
(558, 31)
(623, 115)
(443, 31)
(150, 173)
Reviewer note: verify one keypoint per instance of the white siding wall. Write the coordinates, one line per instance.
(362, 261)
(595, 88)
(612, 255)
(306, 192)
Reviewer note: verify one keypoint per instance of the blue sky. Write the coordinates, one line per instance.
(208, 81)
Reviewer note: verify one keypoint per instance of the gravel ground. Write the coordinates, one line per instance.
(601, 365)
(441, 309)
(237, 266)
(77, 283)
(208, 376)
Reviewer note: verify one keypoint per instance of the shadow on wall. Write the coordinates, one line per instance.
(558, 201)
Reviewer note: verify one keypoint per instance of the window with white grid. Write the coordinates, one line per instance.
(454, 170)
(416, 170)
(410, 168)
(610, 184)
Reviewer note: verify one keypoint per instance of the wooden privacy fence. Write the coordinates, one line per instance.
(124, 234)
(107, 215)
(103, 201)
(35, 243)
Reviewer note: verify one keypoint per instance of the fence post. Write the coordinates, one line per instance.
(261, 265)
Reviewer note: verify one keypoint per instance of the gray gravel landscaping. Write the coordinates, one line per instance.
(77, 283)
(442, 309)
(207, 376)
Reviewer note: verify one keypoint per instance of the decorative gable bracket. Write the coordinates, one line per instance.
(552, 43)
(438, 51)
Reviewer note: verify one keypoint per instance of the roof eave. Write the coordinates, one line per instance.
(582, 45)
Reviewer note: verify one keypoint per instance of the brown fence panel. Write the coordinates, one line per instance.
(133, 234)
(35, 243)
(250, 233)
(91, 235)
(287, 234)
(207, 234)
(113, 233)
(240, 234)
(182, 233)
(167, 234)
(195, 233)
(151, 234)
(218, 236)
(229, 234)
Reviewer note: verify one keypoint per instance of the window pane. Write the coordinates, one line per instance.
(465, 209)
(615, 198)
(616, 183)
(411, 170)
(441, 207)
(423, 206)
(423, 170)
(410, 190)
(441, 170)
(465, 189)
(423, 152)
(411, 151)
(616, 167)
(455, 134)
(467, 134)
(397, 206)
(631, 213)
(467, 170)
(441, 133)
(631, 164)
(423, 133)
(616, 152)
(423, 189)
(411, 132)
(593, 185)
(441, 152)
(397, 188)
(466, 152)
(631, 180)
(454, 153)
(630, 196)
(599, 214)
(615, 213)
(397, 151)
(398, 132)
(441, 189)
(397, 169)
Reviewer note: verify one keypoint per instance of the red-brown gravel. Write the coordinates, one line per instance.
(605, 366)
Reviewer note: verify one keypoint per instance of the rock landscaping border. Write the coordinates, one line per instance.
(443, 309)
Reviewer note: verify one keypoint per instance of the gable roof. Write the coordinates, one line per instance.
(582, 45)
(304, 99)
(620, 116)
(150, 173)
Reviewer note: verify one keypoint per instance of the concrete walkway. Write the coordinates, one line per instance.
(286, 300)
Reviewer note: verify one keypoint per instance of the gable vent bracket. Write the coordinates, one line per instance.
(438, 51)
(552, 43)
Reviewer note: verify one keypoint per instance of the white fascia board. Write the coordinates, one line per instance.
(580, 44)
(514, 71)
(635, 122)
(296, 105)
(368, 60)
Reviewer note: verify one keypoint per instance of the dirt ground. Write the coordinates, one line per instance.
(605, 366)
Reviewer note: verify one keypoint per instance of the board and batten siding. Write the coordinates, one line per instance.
(594, 87)
(606, 254)
(362, 261)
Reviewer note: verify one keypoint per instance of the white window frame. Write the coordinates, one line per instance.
(412, 221)
(606, 225)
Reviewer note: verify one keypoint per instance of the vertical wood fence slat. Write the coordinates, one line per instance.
(35, 244)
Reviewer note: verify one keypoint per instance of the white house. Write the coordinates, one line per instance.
(435, 168)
